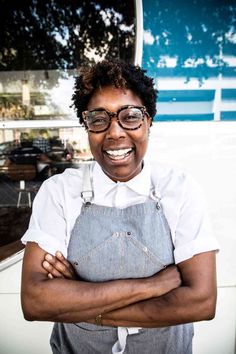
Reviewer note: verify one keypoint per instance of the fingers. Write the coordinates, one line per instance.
(57, 266)
(70, 269)
(52, 271)
(173, 276)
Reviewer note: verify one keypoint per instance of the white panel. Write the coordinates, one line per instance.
(193, 84)
(218, 336)
(207, 150)
(10, 279)
(53, 123)
(18, 336)
(199, 107)
(139, 32)
(229, 105)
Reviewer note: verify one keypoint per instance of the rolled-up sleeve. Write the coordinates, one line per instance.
(47, 225)
(193, 234)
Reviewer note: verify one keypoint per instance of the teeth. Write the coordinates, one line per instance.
(120, 152)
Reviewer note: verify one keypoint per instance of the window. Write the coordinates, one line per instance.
(43, 43)
(193, 53)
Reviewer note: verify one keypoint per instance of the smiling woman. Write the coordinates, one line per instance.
(121, 243)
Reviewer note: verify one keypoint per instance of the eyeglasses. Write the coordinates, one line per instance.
(128, 117)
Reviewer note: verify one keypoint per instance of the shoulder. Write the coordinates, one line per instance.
(69, 175)
(168, 179)
(66, 184)
(177, 188)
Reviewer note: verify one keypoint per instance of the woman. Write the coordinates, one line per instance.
(137, 236)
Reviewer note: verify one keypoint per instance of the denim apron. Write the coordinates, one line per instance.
(108, 243)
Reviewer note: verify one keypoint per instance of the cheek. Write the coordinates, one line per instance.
(95, 141)
(143, 137)
(141, 145)
(92, 143)
(146, 138)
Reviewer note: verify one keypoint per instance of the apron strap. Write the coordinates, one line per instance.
(87, 193)
(155, 193)
(123, 332)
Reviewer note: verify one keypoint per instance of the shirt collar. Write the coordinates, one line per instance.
(140, 184)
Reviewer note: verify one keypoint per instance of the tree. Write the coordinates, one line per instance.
(198, 33)
(57, 34)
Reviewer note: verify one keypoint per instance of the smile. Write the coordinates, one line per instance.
(118, 154)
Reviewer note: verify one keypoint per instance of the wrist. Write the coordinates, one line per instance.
(148, 288)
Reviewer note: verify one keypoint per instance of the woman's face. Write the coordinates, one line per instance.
(130, 145)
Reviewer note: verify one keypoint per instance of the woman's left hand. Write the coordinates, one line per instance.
(58, 267)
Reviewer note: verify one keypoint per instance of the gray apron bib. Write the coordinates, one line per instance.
(109, 243)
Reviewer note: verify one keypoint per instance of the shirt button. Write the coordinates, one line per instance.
(145, 249)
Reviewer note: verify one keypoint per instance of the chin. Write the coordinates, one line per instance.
(120, 175)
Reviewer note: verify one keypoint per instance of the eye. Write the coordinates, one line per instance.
(131, 115)
(98, 119)
(99, 122)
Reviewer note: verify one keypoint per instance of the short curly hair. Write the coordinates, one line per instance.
(115, 73)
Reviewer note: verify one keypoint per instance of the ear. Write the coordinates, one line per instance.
(149, 122)
(149, 119)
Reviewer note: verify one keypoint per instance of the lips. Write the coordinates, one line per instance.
(118, 154)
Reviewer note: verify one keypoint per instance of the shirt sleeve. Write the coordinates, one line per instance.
(193, 229)
(47, 225)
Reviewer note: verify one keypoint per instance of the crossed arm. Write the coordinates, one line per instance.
(175, 295)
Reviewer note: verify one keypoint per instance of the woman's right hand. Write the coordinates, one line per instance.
(58, 267)
(165, 280)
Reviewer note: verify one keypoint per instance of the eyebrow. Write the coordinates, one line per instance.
(104, 109)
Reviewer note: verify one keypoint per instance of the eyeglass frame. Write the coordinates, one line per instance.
(115, 114)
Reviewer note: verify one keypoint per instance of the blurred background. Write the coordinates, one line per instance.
(189, 48)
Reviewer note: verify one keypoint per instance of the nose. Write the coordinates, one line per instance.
(115, 131)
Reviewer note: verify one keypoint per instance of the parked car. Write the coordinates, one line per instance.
(60, 151)
(6, 148)
(55, 161)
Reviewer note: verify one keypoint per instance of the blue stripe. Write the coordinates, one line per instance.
(228, 115)
(228, 94)
(186, 95)
(183, 117)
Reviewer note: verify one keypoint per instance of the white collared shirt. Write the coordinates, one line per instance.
(58, 203)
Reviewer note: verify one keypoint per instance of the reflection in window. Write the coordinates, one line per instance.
(43, 44)
(25, 162)
(187, 50)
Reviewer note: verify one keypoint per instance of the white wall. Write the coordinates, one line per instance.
(18, 336)
(207, 150)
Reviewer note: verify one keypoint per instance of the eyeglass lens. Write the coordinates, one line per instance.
(129, 118)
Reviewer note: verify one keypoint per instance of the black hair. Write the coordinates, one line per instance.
(115, 73)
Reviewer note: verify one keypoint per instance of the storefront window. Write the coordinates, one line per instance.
(43, 44)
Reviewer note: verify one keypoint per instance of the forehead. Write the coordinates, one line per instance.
(112, 98)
